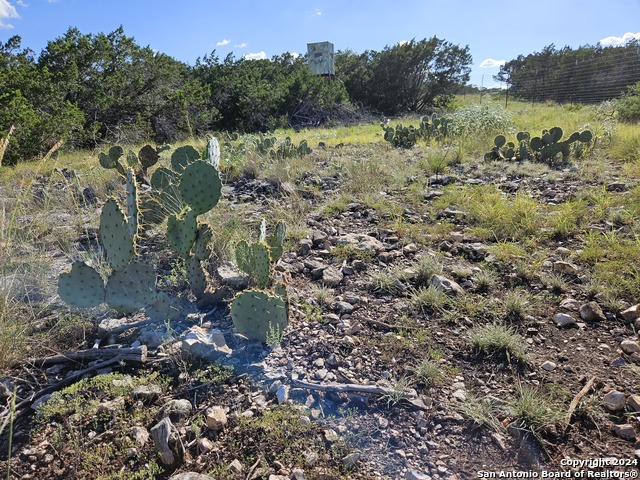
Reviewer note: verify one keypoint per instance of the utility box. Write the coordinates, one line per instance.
(320, 58)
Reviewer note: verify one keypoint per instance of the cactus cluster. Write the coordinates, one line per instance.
(146, 158)
(131, 284)
(259, 311)
(436, 128)
(281, 150)
(190, 188)
(544, 148)
(431, 127)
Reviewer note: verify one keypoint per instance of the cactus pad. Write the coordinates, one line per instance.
(132, 160)
(132, 288)
(585, 136)
(201, 247)
(200, 186)
(165, 185)
(181, 232)
(253, 259)
(81, 287)
(110, 160)
(182, 157)
(115, 236)
(148, 157)
(256, 314)
(132, 203)
(195, 276)
(213, 152)
(164, 307)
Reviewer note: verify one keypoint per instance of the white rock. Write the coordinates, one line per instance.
(215, 417)
(563, 319)
(549, 366)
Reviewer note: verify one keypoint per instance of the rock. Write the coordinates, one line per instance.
(630, 346)
(190, 476)
(178, 411)
(305, 246)
(459, 395)
(318, 238)
(362, 242)
(167, 441)
(147, 394)
(548, 366)
(446, 285)
(331, 436)
(565, 268)
(235, 466)
(297, 474)
(570, 304)
(591, 312)
(343, 307)
(416, 475)
(614, 401)
(350, 460)
(282, 394)
(216, 418)
(198, 343)
(140, 435)
(563, 319)
(331, 276)
(205, 445)
(232, 277)
(625, 431)
(631, 314)
(277, 477)
(633, 402)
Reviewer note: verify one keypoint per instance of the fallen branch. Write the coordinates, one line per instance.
(346, 387)
(23, 407)
(575, 402)
(136, 354)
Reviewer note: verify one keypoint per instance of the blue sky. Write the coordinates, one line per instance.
(495, 30)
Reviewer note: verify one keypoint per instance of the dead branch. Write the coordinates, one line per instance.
(134, 355)
(575, 402)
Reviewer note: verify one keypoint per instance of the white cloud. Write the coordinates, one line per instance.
(242, 45)
(615, 41)
(295, 54)
(317, 12)
(7, 11)
(403, 42)
(255, 56)
(491, 63)
(223, 43)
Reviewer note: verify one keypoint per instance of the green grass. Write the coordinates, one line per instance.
(498, 340)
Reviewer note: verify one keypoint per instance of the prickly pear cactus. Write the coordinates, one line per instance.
(201, 247)
(81, 287)
(195, 276)
(181, 232)
(182, 157)
(200, 186)
(165, 307)
(258, 315)
(253, 259)
(132, 203)
(213, 152)
(276, 242)
(132, 288)
(115, 235)
(148, 157)
(110, 160)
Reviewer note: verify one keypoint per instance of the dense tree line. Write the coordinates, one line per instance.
(588, 74)
(86, 89)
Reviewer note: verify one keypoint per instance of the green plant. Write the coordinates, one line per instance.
(534, 409)
(429, 372)
(628, 105)
(397, 391)
(436, 128)
(425, 267)
(544, 148)
(497, 339)
(385, 281)
(401, 136)
(429, 299)
(258, 313)
(481, 411)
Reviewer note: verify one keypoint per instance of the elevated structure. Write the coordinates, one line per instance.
(320, 58)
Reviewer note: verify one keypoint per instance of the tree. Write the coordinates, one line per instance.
(414, 76)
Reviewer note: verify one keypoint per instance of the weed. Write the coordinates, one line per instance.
(429, 372)
(429, 299)
(516, 303)
(351, 252)
(311, 313)
(274, 336)
(497, 339)
(397, 391)
(481, 411)
(323, 295)
(534, 409)
(427, 266)
(484, 281)
(385, 281)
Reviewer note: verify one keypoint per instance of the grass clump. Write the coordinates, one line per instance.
(429, 299)
(481, 412)
(534, 409)
(498, 340)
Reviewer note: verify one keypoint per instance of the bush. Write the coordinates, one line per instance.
(629, 105)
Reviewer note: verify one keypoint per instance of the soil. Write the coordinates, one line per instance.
(363, 335)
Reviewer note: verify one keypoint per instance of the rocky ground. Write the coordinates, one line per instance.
(341, 394)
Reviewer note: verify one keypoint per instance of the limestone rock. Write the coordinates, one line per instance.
(591, 312)
(614, 401)
(446, 285)
(216, 418)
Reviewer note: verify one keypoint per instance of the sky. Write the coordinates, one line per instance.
(495, 30)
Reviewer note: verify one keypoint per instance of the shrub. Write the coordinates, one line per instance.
(629, 105)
